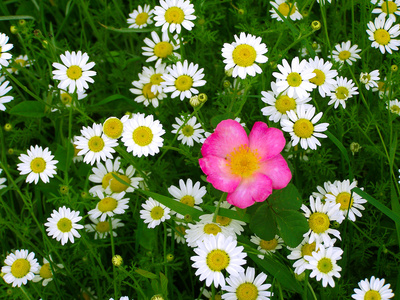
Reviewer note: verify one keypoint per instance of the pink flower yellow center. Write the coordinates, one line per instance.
(285, 8)
(325, 265)
(389, 4)
(74, 72)
(319, 78)
(244, 55)
(243, 161)
(372, 295)
(217, 260)
(45, 271)
(174, 15)
(247, 291)
(284, 103)
(319, 222)
(382, 36)
(269, 245)
(141, 18)
(345, 200)
(38, 165)
(163, 49)
(20, 268)
(107, 204)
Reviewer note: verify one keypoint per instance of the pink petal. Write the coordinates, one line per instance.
(228, 135)
(277, 170)
(252, 189)
(219, 174)
(268, 141)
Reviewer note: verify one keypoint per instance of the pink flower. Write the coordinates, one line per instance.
(247, 168)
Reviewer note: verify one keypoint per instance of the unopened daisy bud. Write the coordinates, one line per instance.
(84, 195)
(305, 13)
(117, 260)
(10, 151)
(355, 147)
(7, 127)
(314, 45)
(194, 101)
(84, 259)
(188, 218)
(22, 22)
(13, 29)
(64, 189)
(157, 297)
(335, 224)
(384, 249)
(316, 25)
(203, 97)
(229, 72)
(394, 68)
(226, 84)
(300, 277)
(241, 11)
(9, 291)
(170, 257)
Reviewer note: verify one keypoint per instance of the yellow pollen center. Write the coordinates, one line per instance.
(20, 268)
(38, 165)
(247, 291)
(163, 49)
(103, 227)
(96, 144)
(64, 225)
(343, 55)
(66, 99)
(318, 222)
(308, 249)
(211, 229)
(243, 161)
(269, 245)
(342, 93)
(284, 9)
(244, 55)
(325, 265)
(107, 204)
(392, 7)
(113, 128)
(174, 15)
(74, 72)
(284, 103)
(147, 93)
(157, 213)
(45, 271)
(294, 79)
(395, 109)
(382, 36)
(223, 221)
(303, 128)
(141, 18)
(319, 78)
(183, 83)
(345, 200)
(372, 295)
(115, 185)
(188, 200)
(156, 79)
(187, 130)
(217, 260)
(142, 136)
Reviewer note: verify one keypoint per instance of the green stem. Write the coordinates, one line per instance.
(217, 209)
(23, 86)
(24, 291)
(113, 254)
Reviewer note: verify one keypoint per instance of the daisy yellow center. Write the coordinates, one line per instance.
(244, 55)
(66, 99)
(45, 271)
(187, 130)
(64, 225)
(269, 245)
(345, 200)
(142, 136)
(303, 128)
(103, 227)
(20, 268)
(147, 93)
(343, 55)
(285, 8)
(188, 200)
(319, 78)
(156, 79)
(211, 229)
(157, 213)
(294, 79)
(115, 185)
(372, 295)
(395, 109)
(308, 249)
(174, 15)
(183, 83)
(163, 49)
(389, 4)
(107, 204)
(113, 128)
(74, 72)
(318, 222)
(284, 103)
(223, 221)
(217, 260)
(21, 62)
(96, 144)
(342, 93)
(366, 78)
(325, 265)
(247, 291)
(141, 18)
(243, 161)
(382, 36)
(38, 165)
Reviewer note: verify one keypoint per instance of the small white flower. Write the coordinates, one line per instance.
(45, 272)
(109, 205)
(101, 229)
(370, 80)
(159, 49)
(394, 106)
(154, 77)
(382, 34)
(19, 267)
(145, 93)
(324, 75)
(154, 213)
(2, 180)
(141, 17)
(172, 15)
(386, 8)
(286, 8)
(189, 132)
(374, 288)
(4, 47)
(345, 52)
(19, 62)
(343, 89)
(4, 89)
(113, 127)
(267, 247)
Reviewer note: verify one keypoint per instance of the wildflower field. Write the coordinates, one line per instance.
(199, 149)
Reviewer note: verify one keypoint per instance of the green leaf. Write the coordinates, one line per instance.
(127, 30)
(263, 223)
(146, 274)
(292, 225)
(341, 148)
(286, 198)
(164, 284)
(110, 99)
(12, 18)
(64, 156)
(30, 109)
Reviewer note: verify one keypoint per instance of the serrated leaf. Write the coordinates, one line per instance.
(146, 274)
(263, 223)
(292, 225)
(30, 109)
(286, 198)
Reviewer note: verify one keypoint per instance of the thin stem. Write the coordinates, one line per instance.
(217, 209)
(113, 254)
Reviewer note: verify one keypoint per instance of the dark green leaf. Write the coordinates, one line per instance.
(263, 223)
(286, 198)
(30, 109)
(292, 225)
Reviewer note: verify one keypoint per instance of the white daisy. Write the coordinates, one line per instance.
(4, 89)
(2, 180)
(316, 47)
(154, 213)
(350, 203)
(142, 135)
(101, 229)
(295, 79)
(45, 272)
(4, 47)
(374, 288)
(345, 52)
(324, 75)
(67, 99)
(62, 225)
(382, 34)
(303, 249)
(389, 8)
(189, 132)
(109, 205)
(323, 264)
(76, 158)
(267, 247)
(74, 72)
(343, 89)
(323, 190)
(146, 96)
(159, 49)
(394, 106)
(38, 163)
(182, 79)
(19, 62)
(19, 267)
(154, 77)
(94, 144)
(173, 15)
(235, 226)
(279, 103)
(245, 286)
(301, 125)
(216, 254)
(141, 17)
(286, 8)
(319, 218)
(178, 231)
(113, 127)
(243, 54)
(370, 80)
